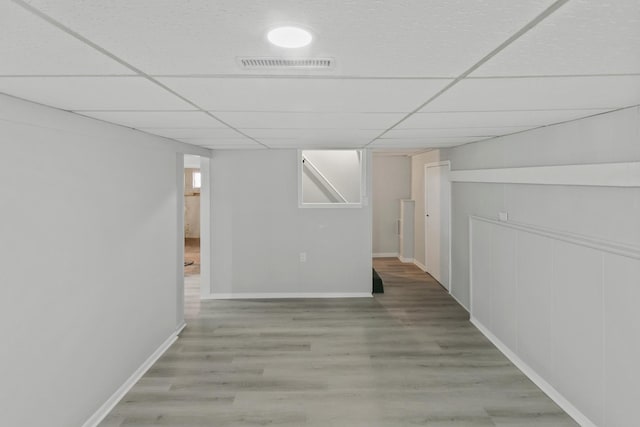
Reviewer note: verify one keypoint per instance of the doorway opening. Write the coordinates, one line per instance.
(193, 261)
(437, 222)
(192, 235)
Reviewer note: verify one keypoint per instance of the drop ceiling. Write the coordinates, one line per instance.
(407, 74)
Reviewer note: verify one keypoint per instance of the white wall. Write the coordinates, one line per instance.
(87, 260)
(561, 308)
(391, 177)
(260, 232)
(191, 162)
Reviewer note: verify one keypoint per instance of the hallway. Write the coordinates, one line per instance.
(408, 357)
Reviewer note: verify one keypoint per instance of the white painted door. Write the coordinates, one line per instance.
(437, 203)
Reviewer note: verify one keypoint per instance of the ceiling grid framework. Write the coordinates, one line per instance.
(475, 69)
(137, 71)
(548, 11)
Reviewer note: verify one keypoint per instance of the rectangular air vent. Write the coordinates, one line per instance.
(286, 63)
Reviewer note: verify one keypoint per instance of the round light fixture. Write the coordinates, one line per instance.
(289, 37)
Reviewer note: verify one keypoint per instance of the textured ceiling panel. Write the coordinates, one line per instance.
(379, 47)
(346, 134)
(221, 146)
(582, 37)
(453, 132)
(30, 46)
(148, 119)
(540, 94)
(320, 141)
(311, 145)
(92, 93)
(411, 37)
(312, 95)
(393, 152)
(310, 120)
(236, 142)
(492, 118)
(179, 133)
(421, 142)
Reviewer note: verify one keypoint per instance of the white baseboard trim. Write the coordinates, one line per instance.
(281, 295)
(460, 302)
(385, 255)
(406, 260)
(554, 394)
(420, 265)
(104, 410)
(180, 328)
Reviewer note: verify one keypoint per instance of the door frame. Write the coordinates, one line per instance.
(180, 240)
(446, 163)
(206, 278)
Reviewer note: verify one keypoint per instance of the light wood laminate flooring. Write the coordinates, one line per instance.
(408, 357)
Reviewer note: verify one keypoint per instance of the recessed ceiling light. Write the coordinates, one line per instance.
(289, 37)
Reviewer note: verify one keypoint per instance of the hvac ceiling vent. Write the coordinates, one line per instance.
(286, 63)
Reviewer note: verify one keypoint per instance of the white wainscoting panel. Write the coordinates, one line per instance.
(481, 272)
(535, 268)
(622, 344)
(503, 297)
(577, 327)
(563, 307)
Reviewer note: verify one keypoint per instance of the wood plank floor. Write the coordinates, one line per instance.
(409, 357)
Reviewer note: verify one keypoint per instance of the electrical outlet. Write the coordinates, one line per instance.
(503, 216)
(303, 257)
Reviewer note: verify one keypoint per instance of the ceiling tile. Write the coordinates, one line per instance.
(92, 93)
(222, 141)
(421, 142)
(182, 133)
(382, 152)
(302, 120)
(315, 142)
(454, 132)
(312, 95)
(582, 37)
(235, 147)
(471, 119)
(29, 46)
(415, 37)
(310, 144)
(329, 134)
(539, 93)
(148, 119)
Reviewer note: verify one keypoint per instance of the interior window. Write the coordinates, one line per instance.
(331, 178)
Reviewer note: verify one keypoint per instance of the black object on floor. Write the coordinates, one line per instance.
(378, 287)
